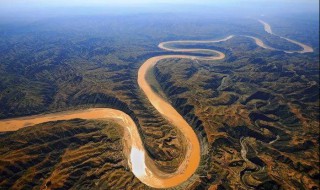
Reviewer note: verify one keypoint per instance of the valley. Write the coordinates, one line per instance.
(98, 109)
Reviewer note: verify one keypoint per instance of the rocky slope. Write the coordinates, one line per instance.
(257, 116)
(75, 154)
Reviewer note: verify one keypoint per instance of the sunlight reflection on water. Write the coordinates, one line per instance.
(138, 162)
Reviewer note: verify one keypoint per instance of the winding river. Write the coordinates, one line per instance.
(140, 163)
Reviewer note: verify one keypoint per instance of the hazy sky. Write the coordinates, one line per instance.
(132, 2)
(16, 8)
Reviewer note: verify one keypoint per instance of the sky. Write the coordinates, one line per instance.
(16, 8)
(133, 2)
